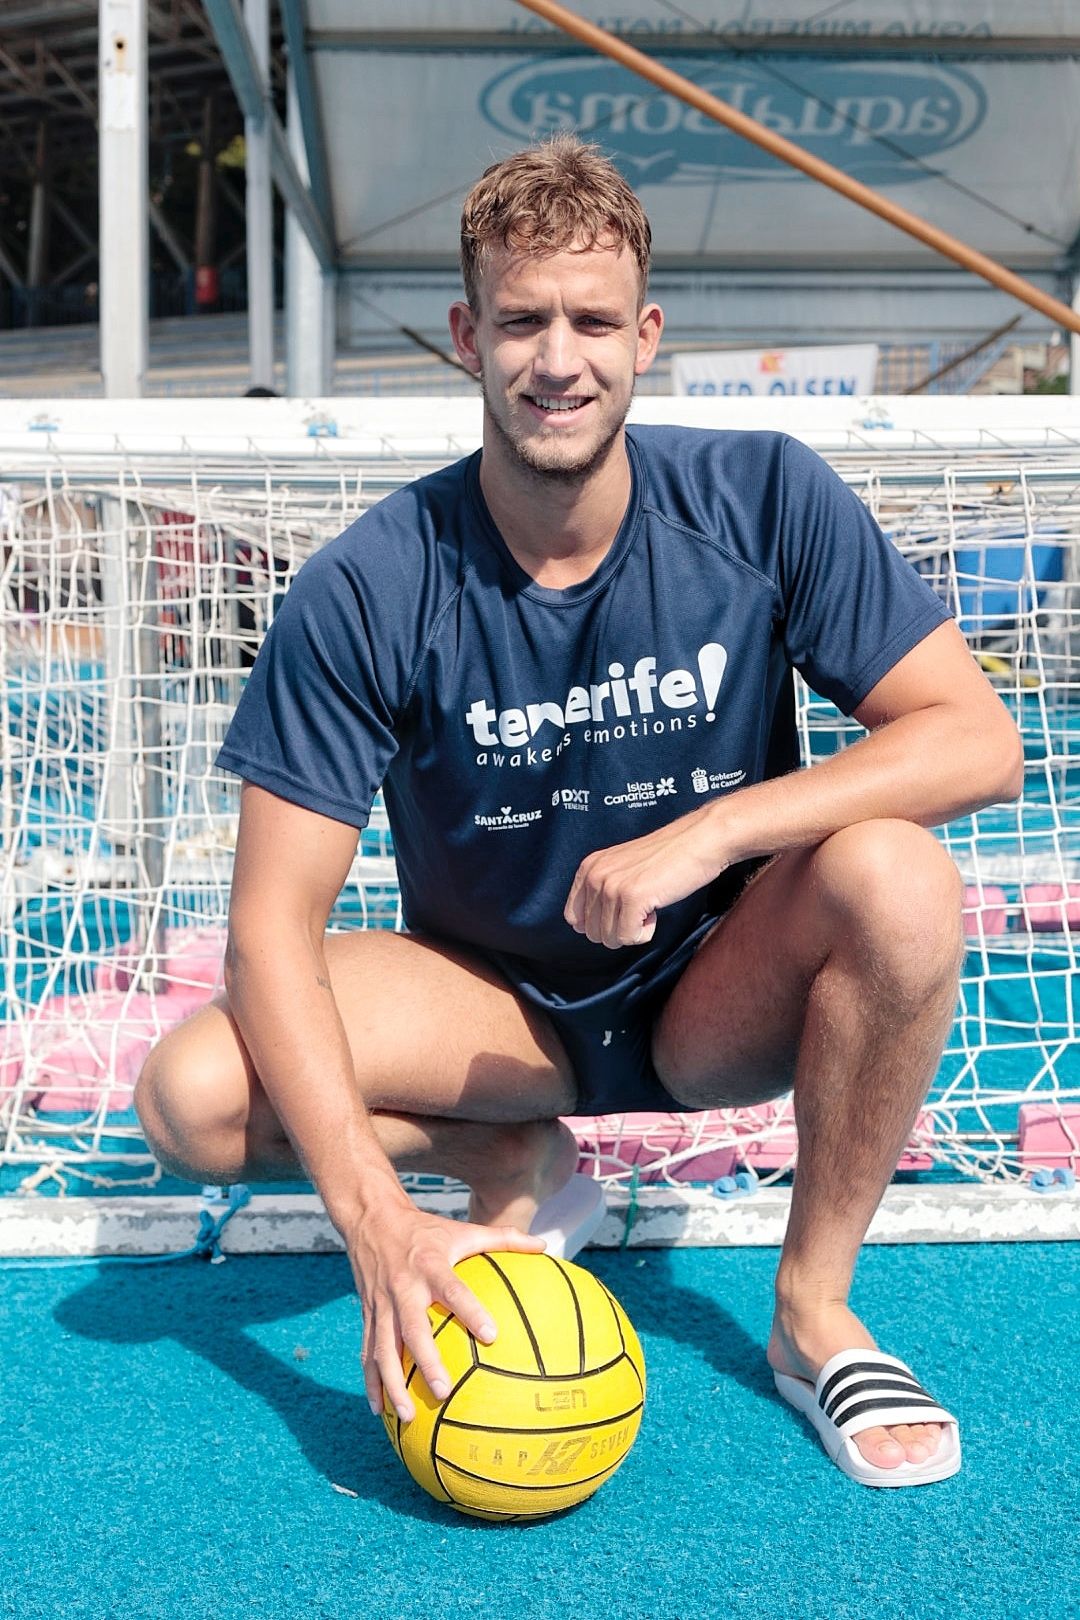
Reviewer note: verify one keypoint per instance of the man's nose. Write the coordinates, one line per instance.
(558, 356)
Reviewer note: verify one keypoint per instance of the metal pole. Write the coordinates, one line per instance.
(1074, 342)
(260, 209)
(789, 152)
(38, 251)
(117, 797)
(309, 291)
(132, 814)
(206, 212)
(123, 195)
(149, 762)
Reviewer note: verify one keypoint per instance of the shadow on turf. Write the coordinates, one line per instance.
(208, 1310)
(660, 1307)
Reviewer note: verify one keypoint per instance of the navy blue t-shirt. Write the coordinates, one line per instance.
(516, 728)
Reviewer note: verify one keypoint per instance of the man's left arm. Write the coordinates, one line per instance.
(940, 744)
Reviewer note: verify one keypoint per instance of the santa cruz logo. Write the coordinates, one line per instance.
(642, 704)
(835, 111)
(507, 819)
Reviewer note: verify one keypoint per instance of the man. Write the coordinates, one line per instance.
(550, 652)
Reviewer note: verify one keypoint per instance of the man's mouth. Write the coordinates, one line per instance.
(560, 404)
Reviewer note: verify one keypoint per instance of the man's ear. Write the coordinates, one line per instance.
(650, 326)
(463, 331)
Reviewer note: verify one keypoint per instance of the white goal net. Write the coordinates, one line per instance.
(141, 566)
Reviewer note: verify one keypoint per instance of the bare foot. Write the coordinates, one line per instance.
(802, 1342)
(525, 1166)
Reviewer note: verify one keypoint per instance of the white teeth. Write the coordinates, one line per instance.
(559, 404)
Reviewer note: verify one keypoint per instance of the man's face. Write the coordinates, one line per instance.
(557, 343)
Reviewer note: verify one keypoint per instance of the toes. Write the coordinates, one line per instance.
(910, 1437)
(925, 1439)
(903, 1442)
(879, 1447)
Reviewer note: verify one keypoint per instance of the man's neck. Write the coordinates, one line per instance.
(558, 532)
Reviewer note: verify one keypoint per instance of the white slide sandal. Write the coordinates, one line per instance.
(862, 1389)
(568, 1219)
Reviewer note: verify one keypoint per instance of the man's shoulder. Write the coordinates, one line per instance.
(672, 456)
(669, 440)
(404, 529)
(725, 485)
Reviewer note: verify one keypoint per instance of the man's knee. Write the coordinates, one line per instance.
(193, 1120)
(892, 891)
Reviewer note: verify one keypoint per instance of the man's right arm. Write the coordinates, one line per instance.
(290, 865)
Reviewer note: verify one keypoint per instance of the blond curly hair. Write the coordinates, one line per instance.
(560, 194)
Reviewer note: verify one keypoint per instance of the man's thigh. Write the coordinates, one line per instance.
(729, 1032)
(434, 1029)
(431, 1030)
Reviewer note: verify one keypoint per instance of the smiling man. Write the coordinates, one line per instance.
(569, 662)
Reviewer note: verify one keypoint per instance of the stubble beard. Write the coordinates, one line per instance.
(569, 472)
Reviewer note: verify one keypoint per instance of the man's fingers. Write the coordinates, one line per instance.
(510, 1237)
(460, 1300)
(388, 1368)
(373, 1385)
(398, 1318)
(416, 1330)
(574, 911)
(458, 1297)
(605, 909)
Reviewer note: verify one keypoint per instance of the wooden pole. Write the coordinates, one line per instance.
(788, 152)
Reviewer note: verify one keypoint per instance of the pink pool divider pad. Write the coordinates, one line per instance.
(777, 1146)
(985, 911)
(1049, 1136)
(762, 1138)
(82, 1050)
(192, 957)
(83, 1045)
(1051, 907)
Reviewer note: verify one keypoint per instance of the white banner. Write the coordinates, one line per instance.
(856, 19)
(409, 131)
(842, 369)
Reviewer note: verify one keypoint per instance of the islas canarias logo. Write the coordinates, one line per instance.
(642, 701)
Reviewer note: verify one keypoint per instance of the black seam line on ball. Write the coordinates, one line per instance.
(561, 1428)
(521, 1312)
(615, 1309)
(577, 1311)
(555, 1378)
(433, 1453)
(559, 1485)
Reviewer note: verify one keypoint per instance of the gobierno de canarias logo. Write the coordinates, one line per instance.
(840, 111)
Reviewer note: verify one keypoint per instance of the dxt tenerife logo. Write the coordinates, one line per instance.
(570, 799)
(640, 704)
(845, 112)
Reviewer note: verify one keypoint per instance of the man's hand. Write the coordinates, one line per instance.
(617, 892)
(403, 1260)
